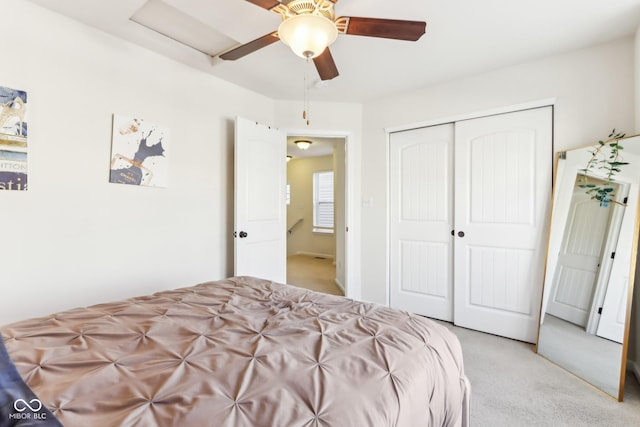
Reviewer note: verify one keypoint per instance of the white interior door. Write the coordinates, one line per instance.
(502, 197)
(421, 200)
(613, 317)
(260, 214)
(615, 306)
(573, 286)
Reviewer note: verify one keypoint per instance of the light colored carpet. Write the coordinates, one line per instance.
(316, 274)
(514, 386)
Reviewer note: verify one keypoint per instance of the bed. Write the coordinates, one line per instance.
(239, 352)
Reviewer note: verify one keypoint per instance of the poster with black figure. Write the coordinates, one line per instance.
(13, 139)
(139, 153)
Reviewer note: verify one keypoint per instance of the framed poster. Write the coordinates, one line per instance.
(139, 153)
(13, 139)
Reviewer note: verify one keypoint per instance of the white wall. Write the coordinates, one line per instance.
(340, 218)
(302, 239)
(74, 239)
(594, 95)
(634, 344)
(637, 81)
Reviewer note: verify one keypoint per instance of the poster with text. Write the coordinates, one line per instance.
(139, 153)
(13, 139)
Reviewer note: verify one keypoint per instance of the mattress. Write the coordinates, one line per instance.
(241, 352)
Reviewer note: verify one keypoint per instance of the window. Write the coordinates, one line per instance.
(323, 202)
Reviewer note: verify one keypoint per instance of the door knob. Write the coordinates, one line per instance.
(243, 234)
(460, 233)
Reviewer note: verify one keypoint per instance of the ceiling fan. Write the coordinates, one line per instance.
(310, 26)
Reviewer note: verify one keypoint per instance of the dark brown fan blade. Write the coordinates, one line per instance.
(385, 28)
(270, 4)
(265, 4)
(250, 47)
(325, 65)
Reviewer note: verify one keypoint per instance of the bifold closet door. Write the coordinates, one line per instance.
(487, 275)
(502, 191)
(421, 220)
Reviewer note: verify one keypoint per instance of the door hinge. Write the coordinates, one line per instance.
(613, 255)
(626, 199)
(600, 310)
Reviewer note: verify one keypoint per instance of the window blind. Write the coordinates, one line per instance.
(323, 199)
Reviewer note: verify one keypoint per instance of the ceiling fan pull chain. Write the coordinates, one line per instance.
(305, 111)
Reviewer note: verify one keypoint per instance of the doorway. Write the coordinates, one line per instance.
(316, 213)
(581, 262)
(579, 290)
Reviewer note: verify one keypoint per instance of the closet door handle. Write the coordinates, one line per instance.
(243, 234)
(460, 233)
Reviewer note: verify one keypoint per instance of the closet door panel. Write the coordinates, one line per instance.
(502, 178)
(421, 220)
(502, 198)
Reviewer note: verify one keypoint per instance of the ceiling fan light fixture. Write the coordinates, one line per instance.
(307, 35)
(303, 144)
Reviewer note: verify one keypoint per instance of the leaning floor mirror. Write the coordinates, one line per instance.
(592, 250)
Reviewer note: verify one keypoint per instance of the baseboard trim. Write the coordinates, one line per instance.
(340, 285)
(634, 368)
(315, 254)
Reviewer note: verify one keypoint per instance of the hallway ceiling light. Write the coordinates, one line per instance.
(303, 144)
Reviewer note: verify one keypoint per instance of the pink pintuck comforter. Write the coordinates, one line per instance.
(241, 352)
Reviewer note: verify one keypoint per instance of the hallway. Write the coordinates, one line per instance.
(313, 273)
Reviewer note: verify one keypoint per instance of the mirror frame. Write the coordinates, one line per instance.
(632, 262)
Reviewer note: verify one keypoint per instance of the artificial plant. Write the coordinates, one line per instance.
(610, 164)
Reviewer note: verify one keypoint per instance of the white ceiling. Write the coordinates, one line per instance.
(463, 37)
